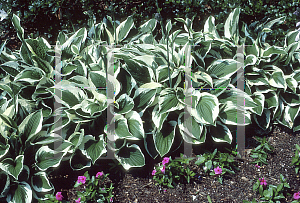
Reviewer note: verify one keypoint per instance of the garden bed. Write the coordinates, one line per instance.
(137, 185)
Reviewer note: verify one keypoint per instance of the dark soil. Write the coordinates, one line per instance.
(137, 185)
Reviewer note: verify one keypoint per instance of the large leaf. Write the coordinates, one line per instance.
(164, 138)
(231, 24)
(46, 158)
(191, 131)
(124, 28)
(130, 156)
(224, 68)
(263, 121)
(12, 167)
(17, 25)
(209, 26)
(5, 186)
(31, 125)
(40, 182)
(168, 101)
(93, 149)
(205, 108)
(125, 103)
(220, 133)
(23, 193)
(230, 114)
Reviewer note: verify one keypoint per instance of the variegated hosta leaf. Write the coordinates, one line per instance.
(164, 138)
(13, 166)
(79, 161)
(204, 77)
(271, 99)
(223, 68)
(273, 50)
(66, 93)
(43, 138)
(17, 25)
(168, 101)
(209, 27)
(259, 99)
(205, 107)
(3, 149)
(12, 68)
(93, 149)
(158, 118)
(220, 86)
(46, 157)
(220, 133)
(124, 28)
(129, 127)
(23, 193)
(5, 186)
(97, 79)
(263, 121)
(236, 95)
(40, 182)
(143, 97)
(230, 114)
(191, 131)
(277, 80)
(291, 83)
(288, 117)
(125, 103)
(290, 99)
(31, 125)
(130, 156)
(231, 24)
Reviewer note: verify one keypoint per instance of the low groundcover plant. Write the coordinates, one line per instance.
(94, 187)
(218, 163)
(171, 172)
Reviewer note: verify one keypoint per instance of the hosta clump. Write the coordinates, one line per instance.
(217, 163)
(260, 153)
(172, 172)
(26, 155)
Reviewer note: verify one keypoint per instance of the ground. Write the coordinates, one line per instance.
(138, 186)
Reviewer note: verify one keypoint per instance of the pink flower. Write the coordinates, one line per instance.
(257, 166)
(262, 181)
(111, 199)
(78, 201)
(218, 170)
(59, 196)
(99, 174)
(163, 169)
(81, 179)
(296, 195)
(165, 160)
(153, 172)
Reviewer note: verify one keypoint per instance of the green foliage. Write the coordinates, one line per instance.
(260, 153)
(296, 159)
(95, 189)
(209, 161)
(174, 172)
(272, 193)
